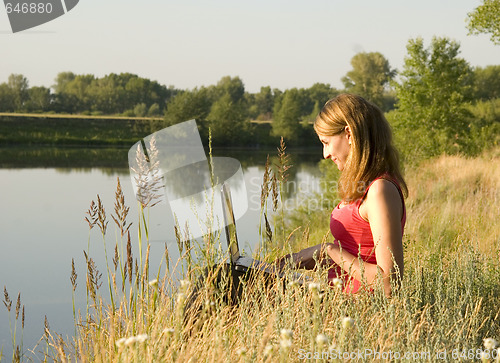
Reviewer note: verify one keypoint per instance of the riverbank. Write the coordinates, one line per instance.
(74, 130)
(115, 131)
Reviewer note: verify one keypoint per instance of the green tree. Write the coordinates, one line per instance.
(73, 94)
(18, 85)
(317, 95)
(154, 110)
(142, 90)
(287, 115)
(228, 112)
(321, 92)
(486, 83)
(62, 80)
(369, 77)
(264, 101)
(188, 105)
(6, 98)
(485, 19)
(232, 87)
(107, 94)
(434, 87)
(39, 99)
(140, 110)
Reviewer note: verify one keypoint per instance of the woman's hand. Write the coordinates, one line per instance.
(306, 258)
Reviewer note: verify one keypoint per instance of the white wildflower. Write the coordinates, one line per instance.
(267, 350)
(184, 285)
(337, 283)
(285, 344)
(321, 339)
(168, 332)
(129, 341)
(490, 343)
(120, 342)
(153, 283)
(209, 304)
(181, 298)
(135, 339)
(286, 339)
(241, 352)
(314, 286)
(347, 322)
(286, 334)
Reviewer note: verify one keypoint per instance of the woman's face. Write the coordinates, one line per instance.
(336, 147)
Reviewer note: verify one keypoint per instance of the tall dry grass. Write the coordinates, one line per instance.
(446, 307)
(454, 198)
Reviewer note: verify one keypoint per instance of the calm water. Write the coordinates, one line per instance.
(42, 229)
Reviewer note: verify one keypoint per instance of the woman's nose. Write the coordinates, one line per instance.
(326, 153)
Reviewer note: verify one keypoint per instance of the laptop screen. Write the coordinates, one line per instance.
(227, 207)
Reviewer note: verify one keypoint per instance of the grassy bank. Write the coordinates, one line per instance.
(447, 306)
(76, 130)
(117, 131)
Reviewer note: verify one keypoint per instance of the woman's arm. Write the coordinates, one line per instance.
(383, 209)
(305, 258)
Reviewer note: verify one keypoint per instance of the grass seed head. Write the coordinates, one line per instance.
(275, 193)
(101, 216)
(7, 302)
(18, 305)
(265, 184)
(92, 215)
(73, 274)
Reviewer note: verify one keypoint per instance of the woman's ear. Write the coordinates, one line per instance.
(348, 133)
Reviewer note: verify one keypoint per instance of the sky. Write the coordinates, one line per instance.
(193, 43)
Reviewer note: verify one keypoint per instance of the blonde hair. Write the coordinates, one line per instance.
(372, 153)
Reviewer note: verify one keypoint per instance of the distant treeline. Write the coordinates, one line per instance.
(436, 103)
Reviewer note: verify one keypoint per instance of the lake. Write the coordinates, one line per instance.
(44, 195)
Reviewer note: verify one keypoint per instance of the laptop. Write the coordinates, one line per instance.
(238, 261)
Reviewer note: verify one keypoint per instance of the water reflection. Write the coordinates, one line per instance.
(77, 157)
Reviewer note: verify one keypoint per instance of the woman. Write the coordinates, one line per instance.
(368, 223)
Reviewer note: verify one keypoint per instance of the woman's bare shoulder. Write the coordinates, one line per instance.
(383, 194)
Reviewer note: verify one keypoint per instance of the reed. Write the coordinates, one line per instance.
(19, 318)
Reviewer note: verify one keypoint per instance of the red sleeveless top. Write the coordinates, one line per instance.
(355, 235)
